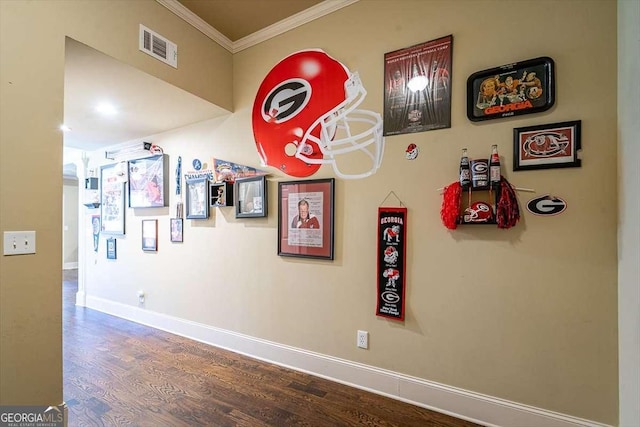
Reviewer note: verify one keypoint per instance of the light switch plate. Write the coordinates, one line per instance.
(19, 242)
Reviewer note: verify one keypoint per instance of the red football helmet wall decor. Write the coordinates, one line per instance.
(305, 115)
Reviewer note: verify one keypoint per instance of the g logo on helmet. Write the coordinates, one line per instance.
(305, 115)
(286, 100)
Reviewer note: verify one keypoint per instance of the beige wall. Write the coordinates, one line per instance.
(32, 39)
(527, 314)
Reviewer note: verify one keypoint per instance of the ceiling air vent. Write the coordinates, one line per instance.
(158, 47)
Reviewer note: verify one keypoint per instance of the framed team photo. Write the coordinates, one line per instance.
(305, 218)
(555, 145)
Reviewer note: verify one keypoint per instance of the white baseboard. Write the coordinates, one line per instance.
(70, 266)
(479, 408)
(81, 300)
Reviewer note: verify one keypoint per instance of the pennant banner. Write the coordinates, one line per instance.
(392, 223)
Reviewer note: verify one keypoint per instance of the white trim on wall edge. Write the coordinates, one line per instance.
(70, 265)
(479, 408)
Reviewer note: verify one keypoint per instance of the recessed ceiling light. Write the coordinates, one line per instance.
(106, 109)
(64, 128)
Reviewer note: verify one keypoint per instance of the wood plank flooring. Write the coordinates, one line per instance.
(120, 373)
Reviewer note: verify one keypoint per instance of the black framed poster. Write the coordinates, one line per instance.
(417, 87)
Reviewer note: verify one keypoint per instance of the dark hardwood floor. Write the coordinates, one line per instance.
(120, 373)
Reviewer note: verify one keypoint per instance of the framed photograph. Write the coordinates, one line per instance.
(112, 194)
(305, 218)
(111, 248)
(554, 145)
(197, 195)
(417, 87)
(95, 229)
(511, 90)
(150, 235)
(251, 197)
(221, 194)
(148, 182)
(176, 229)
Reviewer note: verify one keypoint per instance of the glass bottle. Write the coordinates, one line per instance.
(494, 167)
(465, 173)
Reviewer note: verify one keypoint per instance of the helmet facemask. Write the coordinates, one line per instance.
(346, 129)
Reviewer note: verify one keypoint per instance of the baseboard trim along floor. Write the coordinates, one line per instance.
(468, 405)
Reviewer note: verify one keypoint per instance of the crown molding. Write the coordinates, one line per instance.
(321, 9)
(318, 11)
(176, 7)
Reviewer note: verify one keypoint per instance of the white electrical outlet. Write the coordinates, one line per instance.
(141, 297)
(363, 339)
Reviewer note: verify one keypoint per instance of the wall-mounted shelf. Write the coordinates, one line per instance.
(91, 192)
(91, 183)
(468, 200)
(221, 194)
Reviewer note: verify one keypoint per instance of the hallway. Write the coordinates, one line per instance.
(119, 373)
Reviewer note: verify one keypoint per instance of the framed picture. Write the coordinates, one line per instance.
(148, 182)
(417, 87)
(554, 145)
(305, 218)
(150, 235)
(111, 248)
(176, 229)
(221, 194)
(197, 195)
(511, 90)
(95, 229)
(251, 197)
(112, 208)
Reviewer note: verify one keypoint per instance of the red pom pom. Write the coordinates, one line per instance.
(451, 205)
(507, 211)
